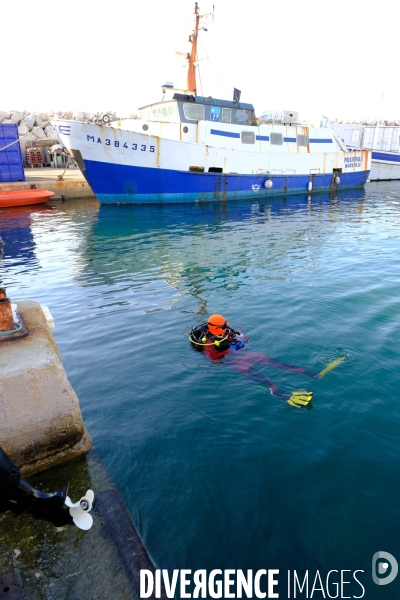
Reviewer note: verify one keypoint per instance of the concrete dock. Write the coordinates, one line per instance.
(72, 185)
(41, 423)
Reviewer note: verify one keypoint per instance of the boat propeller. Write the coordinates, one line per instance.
(19, 497)
(80, 510)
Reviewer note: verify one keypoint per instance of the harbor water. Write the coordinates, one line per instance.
(216, 472)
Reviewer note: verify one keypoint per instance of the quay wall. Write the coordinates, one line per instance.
(63, 190)
(40, 419)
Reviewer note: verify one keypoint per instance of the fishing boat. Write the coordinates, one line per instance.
(24, 197)
(191, 148)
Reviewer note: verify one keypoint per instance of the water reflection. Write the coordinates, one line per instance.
(175, 250)
(210, 240)
(16, 233)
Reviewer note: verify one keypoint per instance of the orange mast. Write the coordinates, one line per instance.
(192, 56)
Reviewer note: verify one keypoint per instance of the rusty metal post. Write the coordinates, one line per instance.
(3, 293)
(6, 315)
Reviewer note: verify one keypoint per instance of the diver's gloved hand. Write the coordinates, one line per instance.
(240, 335)
(300, 399)
(239, 343)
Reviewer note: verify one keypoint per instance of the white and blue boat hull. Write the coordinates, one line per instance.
(132, 185)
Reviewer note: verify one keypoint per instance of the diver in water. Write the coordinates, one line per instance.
(217, 339)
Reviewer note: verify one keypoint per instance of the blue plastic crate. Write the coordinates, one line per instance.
(11, 163)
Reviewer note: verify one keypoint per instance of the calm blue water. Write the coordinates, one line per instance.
(216, 472)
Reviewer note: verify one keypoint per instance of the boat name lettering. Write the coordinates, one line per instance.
(352, 159)
(117, 144)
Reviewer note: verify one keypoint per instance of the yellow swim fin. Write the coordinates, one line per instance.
(300, 399)
(329, 367)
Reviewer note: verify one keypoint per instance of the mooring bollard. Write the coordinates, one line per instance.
(7, 324)
(11, 325)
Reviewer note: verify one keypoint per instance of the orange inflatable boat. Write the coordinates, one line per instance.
(24, 197)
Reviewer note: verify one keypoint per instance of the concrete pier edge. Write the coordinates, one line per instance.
(40, 419)
(73, 185)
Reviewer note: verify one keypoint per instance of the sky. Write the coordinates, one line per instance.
(337, 59)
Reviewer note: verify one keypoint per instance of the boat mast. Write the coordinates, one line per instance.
(192, 56)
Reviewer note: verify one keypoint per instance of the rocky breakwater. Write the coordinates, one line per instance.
(34, 129)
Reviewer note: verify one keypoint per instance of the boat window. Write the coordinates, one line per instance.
(240, 116)
(248, 137)
(194, 112)
(276, 139)
(226, 115)
(302, 140)
(172, 110)
(163, 113)
(149, 114)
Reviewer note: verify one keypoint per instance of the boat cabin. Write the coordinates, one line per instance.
(184, 108)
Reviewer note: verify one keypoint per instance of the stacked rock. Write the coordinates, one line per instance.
(35, 129)
(31, 126)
